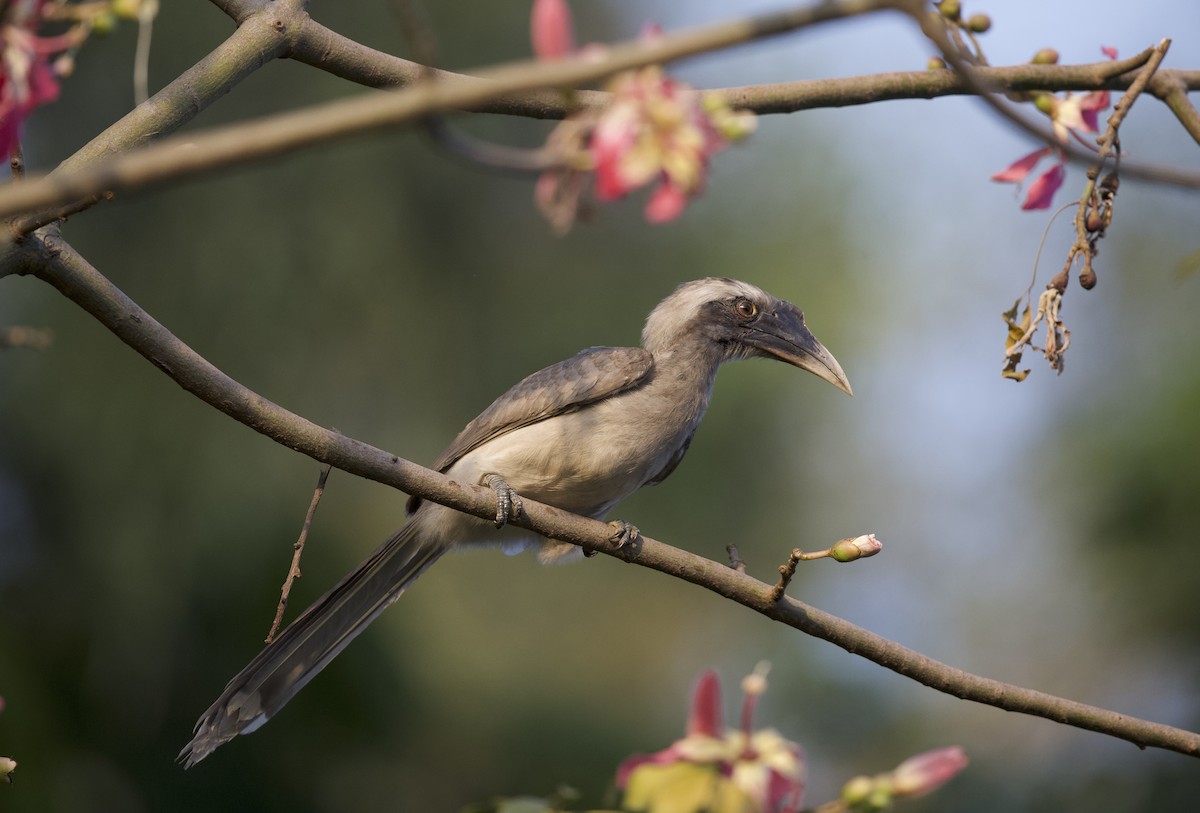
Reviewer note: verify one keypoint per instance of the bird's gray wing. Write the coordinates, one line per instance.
(672, 463)
(587, 377)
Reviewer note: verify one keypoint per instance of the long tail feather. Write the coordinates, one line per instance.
(311, 641)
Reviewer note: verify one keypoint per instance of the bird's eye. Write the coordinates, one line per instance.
(745, 308)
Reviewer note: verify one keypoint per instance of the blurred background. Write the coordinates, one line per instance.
(1038, 533)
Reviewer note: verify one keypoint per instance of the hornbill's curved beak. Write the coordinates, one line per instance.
(781, 333)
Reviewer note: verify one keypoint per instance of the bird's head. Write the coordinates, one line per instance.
(732, 320)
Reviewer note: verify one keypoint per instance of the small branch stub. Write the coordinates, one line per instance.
(735, 559)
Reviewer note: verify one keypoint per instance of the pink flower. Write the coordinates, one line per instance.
(1076, 114)
(655, 131)
(716, 769)
(27, 79)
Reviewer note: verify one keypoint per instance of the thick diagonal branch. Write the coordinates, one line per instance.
(47, 256)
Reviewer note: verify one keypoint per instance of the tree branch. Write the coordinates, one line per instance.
(251, 46)
(103, 166)
(180, 157)
(343, 57)
(977, 79)
(50, 258)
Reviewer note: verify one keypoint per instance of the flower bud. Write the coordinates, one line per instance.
(7, 766)
(950, 9)
(856, 791)
(1095, 221)
(1046, 56)
(1059, 281)
(860, 547)
(935, 63)
(979, 23)
(925, 773)
(1045, 103)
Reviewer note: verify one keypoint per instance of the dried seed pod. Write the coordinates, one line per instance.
(1087, 277)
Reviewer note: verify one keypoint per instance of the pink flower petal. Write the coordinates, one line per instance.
(551, 29)
(1109, 51)
(1041, 192)
(784, 793)
(1020, 169)
(1090, 106)
(666, 203)
(704, 717)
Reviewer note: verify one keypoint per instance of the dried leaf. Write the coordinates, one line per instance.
(1016, 330)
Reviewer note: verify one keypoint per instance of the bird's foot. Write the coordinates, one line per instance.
(623, 533)
(508, 502)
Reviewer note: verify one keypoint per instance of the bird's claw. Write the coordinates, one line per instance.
(623, 533)
(508, 502)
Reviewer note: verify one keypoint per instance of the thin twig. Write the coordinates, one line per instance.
(1095, 211)
(297, 552)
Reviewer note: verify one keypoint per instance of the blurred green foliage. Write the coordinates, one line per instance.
(387, 290)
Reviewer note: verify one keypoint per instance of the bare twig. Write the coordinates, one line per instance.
(297, 552)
